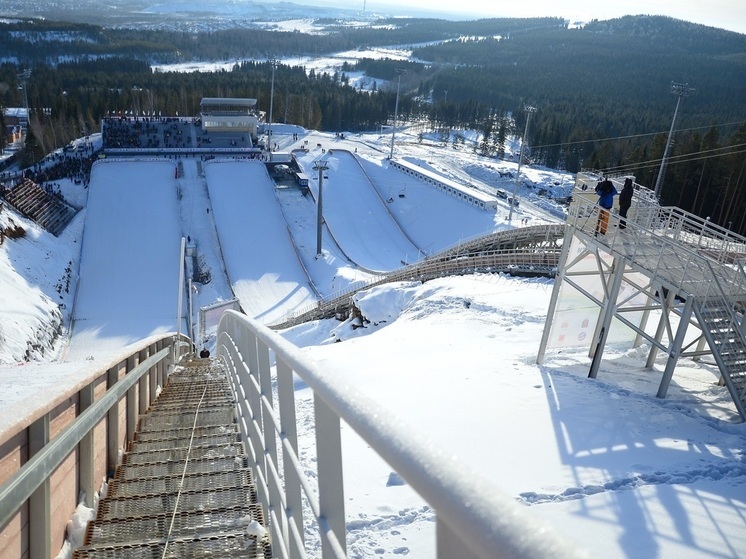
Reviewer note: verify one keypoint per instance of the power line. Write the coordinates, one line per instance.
(655, 163)
(683, 158)
(694, 156)
(639, 135)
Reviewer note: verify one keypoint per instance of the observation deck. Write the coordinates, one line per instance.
(659, 259)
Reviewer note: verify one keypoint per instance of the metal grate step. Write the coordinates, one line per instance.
(176, 419)
(172, 406)
(180, 454)
(203, 465)
(185, 433)
(196, 386)
(194, 524)
(196, 441)
(227, 545)
(143, 505)
(194, 392)
(172, 483)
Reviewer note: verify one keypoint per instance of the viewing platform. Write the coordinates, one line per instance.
(659, 259)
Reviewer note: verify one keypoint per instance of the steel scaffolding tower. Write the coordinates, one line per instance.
(665, 263)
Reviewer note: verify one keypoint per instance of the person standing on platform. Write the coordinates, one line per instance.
(606, 192)
(625, 201)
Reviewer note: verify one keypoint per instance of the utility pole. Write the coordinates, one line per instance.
(320, 165)
(396, 112)
(529, 110)
(680, 90)
(273, 62)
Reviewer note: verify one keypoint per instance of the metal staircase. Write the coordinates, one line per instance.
(724, 334)
(184, 488)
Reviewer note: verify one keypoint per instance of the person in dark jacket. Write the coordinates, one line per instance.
(625, 201)
(606, 192)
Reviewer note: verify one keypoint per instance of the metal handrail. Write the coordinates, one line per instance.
(21, 485)
(472, 515)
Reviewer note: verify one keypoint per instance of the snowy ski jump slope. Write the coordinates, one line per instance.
(129, 267)
(357, 216)
(135, 219)
(261, 262)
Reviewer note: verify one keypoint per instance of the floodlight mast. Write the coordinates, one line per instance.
(396, 112)
(24, 77)
(529, 110)
(320, 165)
(680, 90)
(273, 63)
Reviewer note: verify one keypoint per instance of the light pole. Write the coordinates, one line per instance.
(24, 77)
(320, 165)
(529, 110)
(681, 90)
(273, 63)
(396, 114)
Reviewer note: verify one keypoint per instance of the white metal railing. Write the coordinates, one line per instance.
(688, 252)
(144, 370)
(473, 519)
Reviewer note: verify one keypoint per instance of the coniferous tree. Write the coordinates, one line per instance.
(500, 137)
(485, 144)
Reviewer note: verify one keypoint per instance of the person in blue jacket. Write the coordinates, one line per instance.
(606, 192)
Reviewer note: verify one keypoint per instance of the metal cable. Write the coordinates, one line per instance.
(183, 473)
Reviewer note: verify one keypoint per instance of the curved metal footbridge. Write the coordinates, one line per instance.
(533, 250)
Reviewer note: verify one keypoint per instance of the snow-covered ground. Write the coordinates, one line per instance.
(609, 465)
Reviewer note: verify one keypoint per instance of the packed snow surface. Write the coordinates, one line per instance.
(611, 467)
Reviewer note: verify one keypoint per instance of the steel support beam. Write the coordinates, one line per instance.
(607, 314)
(666, 304)
(40, 521)
(675, 349)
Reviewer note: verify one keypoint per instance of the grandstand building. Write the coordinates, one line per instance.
(219, 114)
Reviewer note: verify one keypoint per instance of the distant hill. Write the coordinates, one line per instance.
(175, 15)
(608, 79)
(602, 91)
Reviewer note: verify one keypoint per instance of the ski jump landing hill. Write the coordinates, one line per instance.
(356, 215)
(138, 211)
(129, 270)
(263, 267)
(129, 264)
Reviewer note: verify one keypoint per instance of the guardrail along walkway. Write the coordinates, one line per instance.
(184, 488)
